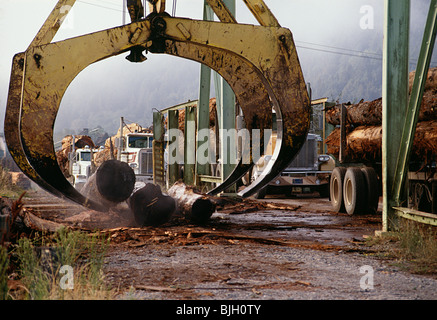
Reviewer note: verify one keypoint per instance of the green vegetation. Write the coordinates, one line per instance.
(4, 264)
(63, 266)
(413, 246)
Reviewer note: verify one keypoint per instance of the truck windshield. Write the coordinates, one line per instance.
(85, 156)
(138, 142)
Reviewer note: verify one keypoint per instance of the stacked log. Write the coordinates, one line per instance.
(369, 113)
(364, 127)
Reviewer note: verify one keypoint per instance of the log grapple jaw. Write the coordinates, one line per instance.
(259, 62)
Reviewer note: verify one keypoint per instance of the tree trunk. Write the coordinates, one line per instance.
(150, 207)
(91, 191)
(369, 113)
(364, 144)
(431, 80)
(115, 180)
(195, 207)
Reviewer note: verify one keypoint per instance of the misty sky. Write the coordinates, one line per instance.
(326, 33)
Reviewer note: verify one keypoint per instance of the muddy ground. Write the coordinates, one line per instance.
(271, 249)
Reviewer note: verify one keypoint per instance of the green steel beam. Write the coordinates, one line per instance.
(190, 146)
(173, 166)
(395, 99)
(158, 126)
(228, 116)
(414, 215)
(204, 95)
(415, 102)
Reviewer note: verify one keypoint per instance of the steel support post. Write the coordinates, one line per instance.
(203, 104)
(416, 96)
(158, 149)
(228, 115)
(190, 146)
(395, 99)
(173, 165)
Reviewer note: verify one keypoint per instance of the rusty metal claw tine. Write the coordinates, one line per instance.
(11, 124)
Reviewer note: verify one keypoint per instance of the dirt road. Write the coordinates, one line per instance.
(274, 249)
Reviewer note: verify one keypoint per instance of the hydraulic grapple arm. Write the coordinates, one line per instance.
(260, 64)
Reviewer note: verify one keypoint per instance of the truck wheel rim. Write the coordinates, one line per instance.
(336, 190)
(348, 192)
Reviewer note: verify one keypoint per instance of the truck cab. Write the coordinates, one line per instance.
(81, 166)
(310, 170)
(137, 152)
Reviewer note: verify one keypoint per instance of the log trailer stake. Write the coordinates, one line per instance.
(260, 63)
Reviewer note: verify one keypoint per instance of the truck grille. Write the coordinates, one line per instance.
(146, 162)
(306, 159)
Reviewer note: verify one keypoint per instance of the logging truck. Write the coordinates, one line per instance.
(356, 184)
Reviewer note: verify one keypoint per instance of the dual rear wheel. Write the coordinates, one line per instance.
(354, 190)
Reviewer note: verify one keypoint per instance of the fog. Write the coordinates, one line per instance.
(339, 43)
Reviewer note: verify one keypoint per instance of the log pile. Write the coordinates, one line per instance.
(364, 127)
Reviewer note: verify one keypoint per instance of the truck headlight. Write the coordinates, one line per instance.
(323, 158)
(133, 165)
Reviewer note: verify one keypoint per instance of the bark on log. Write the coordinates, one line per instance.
(364, 144)
(195, 207)
(115, 180)
(91, 191)
(370, 112)
(150, 206)
(35, 223)
(431, 80)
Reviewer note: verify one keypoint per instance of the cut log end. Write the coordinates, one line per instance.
(197, 208)
(115, 180)
(150, 207)
(201, 211)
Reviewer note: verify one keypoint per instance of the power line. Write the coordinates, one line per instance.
(361, 54)
(338, 48)
(341, 53)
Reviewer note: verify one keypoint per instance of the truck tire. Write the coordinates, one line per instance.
(336, 189)
(354, 191)
(372, 186)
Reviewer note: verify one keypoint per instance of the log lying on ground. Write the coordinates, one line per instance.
(150, 206)
(194, 206)
(115, 180)
(364, 144)
(91, 191)
(112, 183)
(370, 112)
